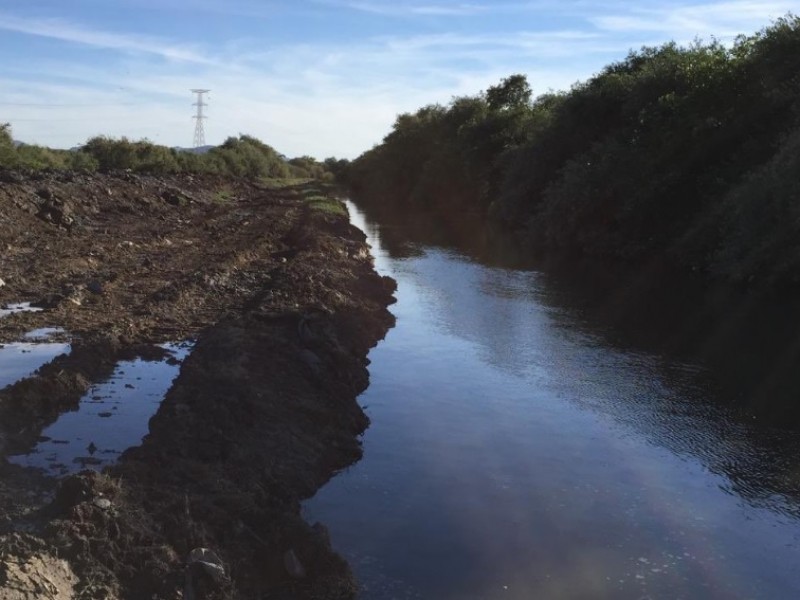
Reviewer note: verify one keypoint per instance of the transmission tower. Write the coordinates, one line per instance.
(199, 133)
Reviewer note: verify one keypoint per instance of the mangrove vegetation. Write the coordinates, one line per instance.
(686, 155)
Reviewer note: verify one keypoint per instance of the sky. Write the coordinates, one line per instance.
(312, 77)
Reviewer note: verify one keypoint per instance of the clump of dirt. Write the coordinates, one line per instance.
(29, 572)
(284, 303)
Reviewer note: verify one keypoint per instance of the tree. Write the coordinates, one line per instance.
(512, 92)
(7, 150)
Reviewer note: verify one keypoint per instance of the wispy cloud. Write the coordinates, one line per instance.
(722, 19)
(407, 9)
(443, 8)
(560, 42)
(77, 34)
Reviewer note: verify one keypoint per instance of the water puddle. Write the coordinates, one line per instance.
(44, 333)
(17, 307)
(112, 417)
(22, 359)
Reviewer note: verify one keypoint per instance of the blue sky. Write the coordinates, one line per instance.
(317, 77)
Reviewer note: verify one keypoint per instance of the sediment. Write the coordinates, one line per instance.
(282, 300)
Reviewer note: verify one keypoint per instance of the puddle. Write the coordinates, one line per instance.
(44, 333)
(111, 417)
(10, 309)
(22, 359)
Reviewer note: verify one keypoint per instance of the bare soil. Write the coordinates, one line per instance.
(283, 302)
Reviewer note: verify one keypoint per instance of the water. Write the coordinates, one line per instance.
(17, 307)
(537, 436)
(22, 359)
(112, 417)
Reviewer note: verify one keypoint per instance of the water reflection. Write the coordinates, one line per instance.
(111, 417)
(541, 433)
(710, 370)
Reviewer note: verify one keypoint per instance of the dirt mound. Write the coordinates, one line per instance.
(284, 303)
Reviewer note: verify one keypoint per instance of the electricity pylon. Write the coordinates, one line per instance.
(199, 133)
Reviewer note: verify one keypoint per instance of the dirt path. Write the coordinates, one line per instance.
(282, 298)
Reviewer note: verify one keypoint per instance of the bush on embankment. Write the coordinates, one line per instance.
(242, 156)
(688, 154)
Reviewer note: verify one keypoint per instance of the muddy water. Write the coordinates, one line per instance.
(548, 434)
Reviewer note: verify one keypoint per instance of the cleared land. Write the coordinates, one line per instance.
(279, 291)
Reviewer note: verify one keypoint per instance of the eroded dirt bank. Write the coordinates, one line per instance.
(281, 296)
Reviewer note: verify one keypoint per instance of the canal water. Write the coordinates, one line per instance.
(538, 433)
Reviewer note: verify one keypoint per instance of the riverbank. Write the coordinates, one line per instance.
(279, 292)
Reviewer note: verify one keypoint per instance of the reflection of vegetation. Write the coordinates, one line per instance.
(242, 156)
(688, 154)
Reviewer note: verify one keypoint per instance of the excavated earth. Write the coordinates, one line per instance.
(282, 301)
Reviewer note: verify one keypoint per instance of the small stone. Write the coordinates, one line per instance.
(210, 563)
(103, 503)
(2, 283)
(94, 286)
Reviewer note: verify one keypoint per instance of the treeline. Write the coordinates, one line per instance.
(689, 154)
(242, 156)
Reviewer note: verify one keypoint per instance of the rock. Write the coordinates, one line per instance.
(54, 210)
(293, 565)
(36, 577)
(10, 177)
(102, 503)
(49, 301)
(95, 286)
(209, 562)
(174, 197)
(2, 283)
(44, 194)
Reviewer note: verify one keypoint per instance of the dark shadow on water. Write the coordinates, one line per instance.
(748, 342)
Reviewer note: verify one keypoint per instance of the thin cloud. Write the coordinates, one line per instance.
(721, 18)
(69, 32)
(400, 9)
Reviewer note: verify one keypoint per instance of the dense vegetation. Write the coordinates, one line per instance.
(689, 154)
(242, 156)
